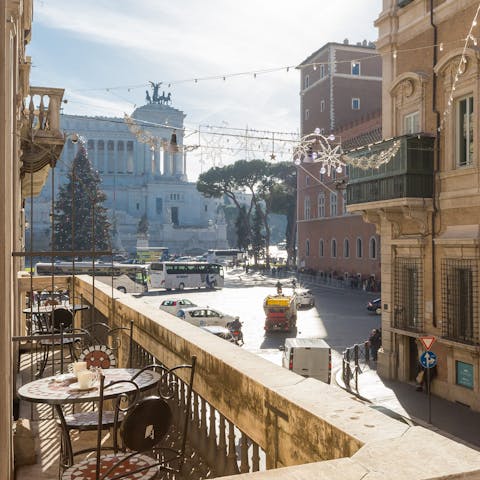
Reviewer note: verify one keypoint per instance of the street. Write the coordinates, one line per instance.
(339, 316)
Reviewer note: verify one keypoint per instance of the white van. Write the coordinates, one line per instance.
(309, 357)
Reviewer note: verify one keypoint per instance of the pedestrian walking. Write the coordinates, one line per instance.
(374, 342)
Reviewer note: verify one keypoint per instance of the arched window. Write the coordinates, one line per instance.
(334, 248)
(321, 205)
(306, 208)
(359, 248)
(372, 248)
(333, 205)
(307, 248)
(320, 248)
(346, 248)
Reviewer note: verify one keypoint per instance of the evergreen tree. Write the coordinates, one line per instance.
(258, 239)
(79, 210)
(242, 229)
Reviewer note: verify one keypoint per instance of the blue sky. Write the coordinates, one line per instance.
(92, 47)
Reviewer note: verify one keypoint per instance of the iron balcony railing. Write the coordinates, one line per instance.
(409, 174)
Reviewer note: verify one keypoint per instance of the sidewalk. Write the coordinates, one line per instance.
(450, 419)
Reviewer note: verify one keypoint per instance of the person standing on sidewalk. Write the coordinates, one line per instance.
(375, 342)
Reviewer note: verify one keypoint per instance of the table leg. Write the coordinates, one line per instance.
(66, 456)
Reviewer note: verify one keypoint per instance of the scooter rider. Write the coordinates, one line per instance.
(235, 327)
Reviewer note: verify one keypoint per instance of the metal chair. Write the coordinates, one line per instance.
(143, 430)
(99, 349)
(59, 321)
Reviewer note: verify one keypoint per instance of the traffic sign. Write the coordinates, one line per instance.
(428, 359)
(427, 341)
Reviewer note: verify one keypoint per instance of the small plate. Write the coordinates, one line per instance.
(64, 377)
(75, 387)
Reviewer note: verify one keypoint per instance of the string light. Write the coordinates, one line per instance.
(461, 67)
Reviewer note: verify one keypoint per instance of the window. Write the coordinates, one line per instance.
(306, 82)
(110, 157)
(138, 206)
(333, 205)
(306, 208)
(408, 276)
(355, 104)
(359, 248)
(460, 299)
(344, 202)
(121, 160)
(464, 132)
(307, 114)
(307, 180)
(411, 123)
(321, 248)
(334, 248)
(355, 68)
(158, 205)
(307, 248)
(323, 70)
(322, 105)
(346, 248)
(130, 156)
(205, 208)
(321, 205)
(372, 248)
(101, 156)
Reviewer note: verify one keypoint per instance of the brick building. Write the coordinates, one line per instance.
(340, 94)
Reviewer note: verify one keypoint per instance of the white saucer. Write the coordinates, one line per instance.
(75, 387)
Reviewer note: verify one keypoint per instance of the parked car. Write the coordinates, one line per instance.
(174, 305)
(202, 316)
(305, 298)
(375, 306)
(221, 332)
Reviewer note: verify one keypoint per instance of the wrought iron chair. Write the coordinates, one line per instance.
(147, 421)
(99, 349)
(59, 321)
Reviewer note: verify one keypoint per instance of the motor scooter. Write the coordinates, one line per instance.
(235, 329)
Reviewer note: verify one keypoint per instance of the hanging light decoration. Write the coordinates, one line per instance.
(328, 153)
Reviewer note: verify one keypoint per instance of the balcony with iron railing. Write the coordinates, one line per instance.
(409, 174)
(249, 414)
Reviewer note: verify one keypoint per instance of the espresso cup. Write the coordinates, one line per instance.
(77, 367)
(86, 379)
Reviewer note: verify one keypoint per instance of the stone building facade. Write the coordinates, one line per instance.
(340, 93)
(139, 179)
(425, 200)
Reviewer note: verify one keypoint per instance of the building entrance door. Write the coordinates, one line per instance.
(413, 359)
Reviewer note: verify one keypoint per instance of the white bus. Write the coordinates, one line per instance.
(229, 256)
(180, 275)
(126, 278)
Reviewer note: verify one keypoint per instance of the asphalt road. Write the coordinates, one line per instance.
(339, 316)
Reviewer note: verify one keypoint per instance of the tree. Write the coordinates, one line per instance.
(81, 222)
(242, 230)
(257, 238)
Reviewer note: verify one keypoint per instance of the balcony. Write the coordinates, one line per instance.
(409, 174)
(42, 139)
(249, 414)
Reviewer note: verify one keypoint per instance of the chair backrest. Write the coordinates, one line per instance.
(62, 318)
(148, 420)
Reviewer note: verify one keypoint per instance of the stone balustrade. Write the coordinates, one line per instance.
(303, 428)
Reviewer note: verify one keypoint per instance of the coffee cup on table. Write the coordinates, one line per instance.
(86, 379)
(77, 367)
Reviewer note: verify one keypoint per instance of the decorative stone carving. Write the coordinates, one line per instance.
(420, 216)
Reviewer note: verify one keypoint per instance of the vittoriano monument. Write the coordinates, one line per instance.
(156, 98)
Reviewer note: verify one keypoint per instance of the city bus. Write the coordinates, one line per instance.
(152, 254)
(180, 275)
(126, 278)
(229, 256)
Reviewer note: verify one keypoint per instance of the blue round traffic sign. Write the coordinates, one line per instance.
(428, 359)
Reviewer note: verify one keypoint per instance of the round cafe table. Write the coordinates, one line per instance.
(51, 391)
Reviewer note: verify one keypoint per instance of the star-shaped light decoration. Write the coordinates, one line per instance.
(316, 148)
